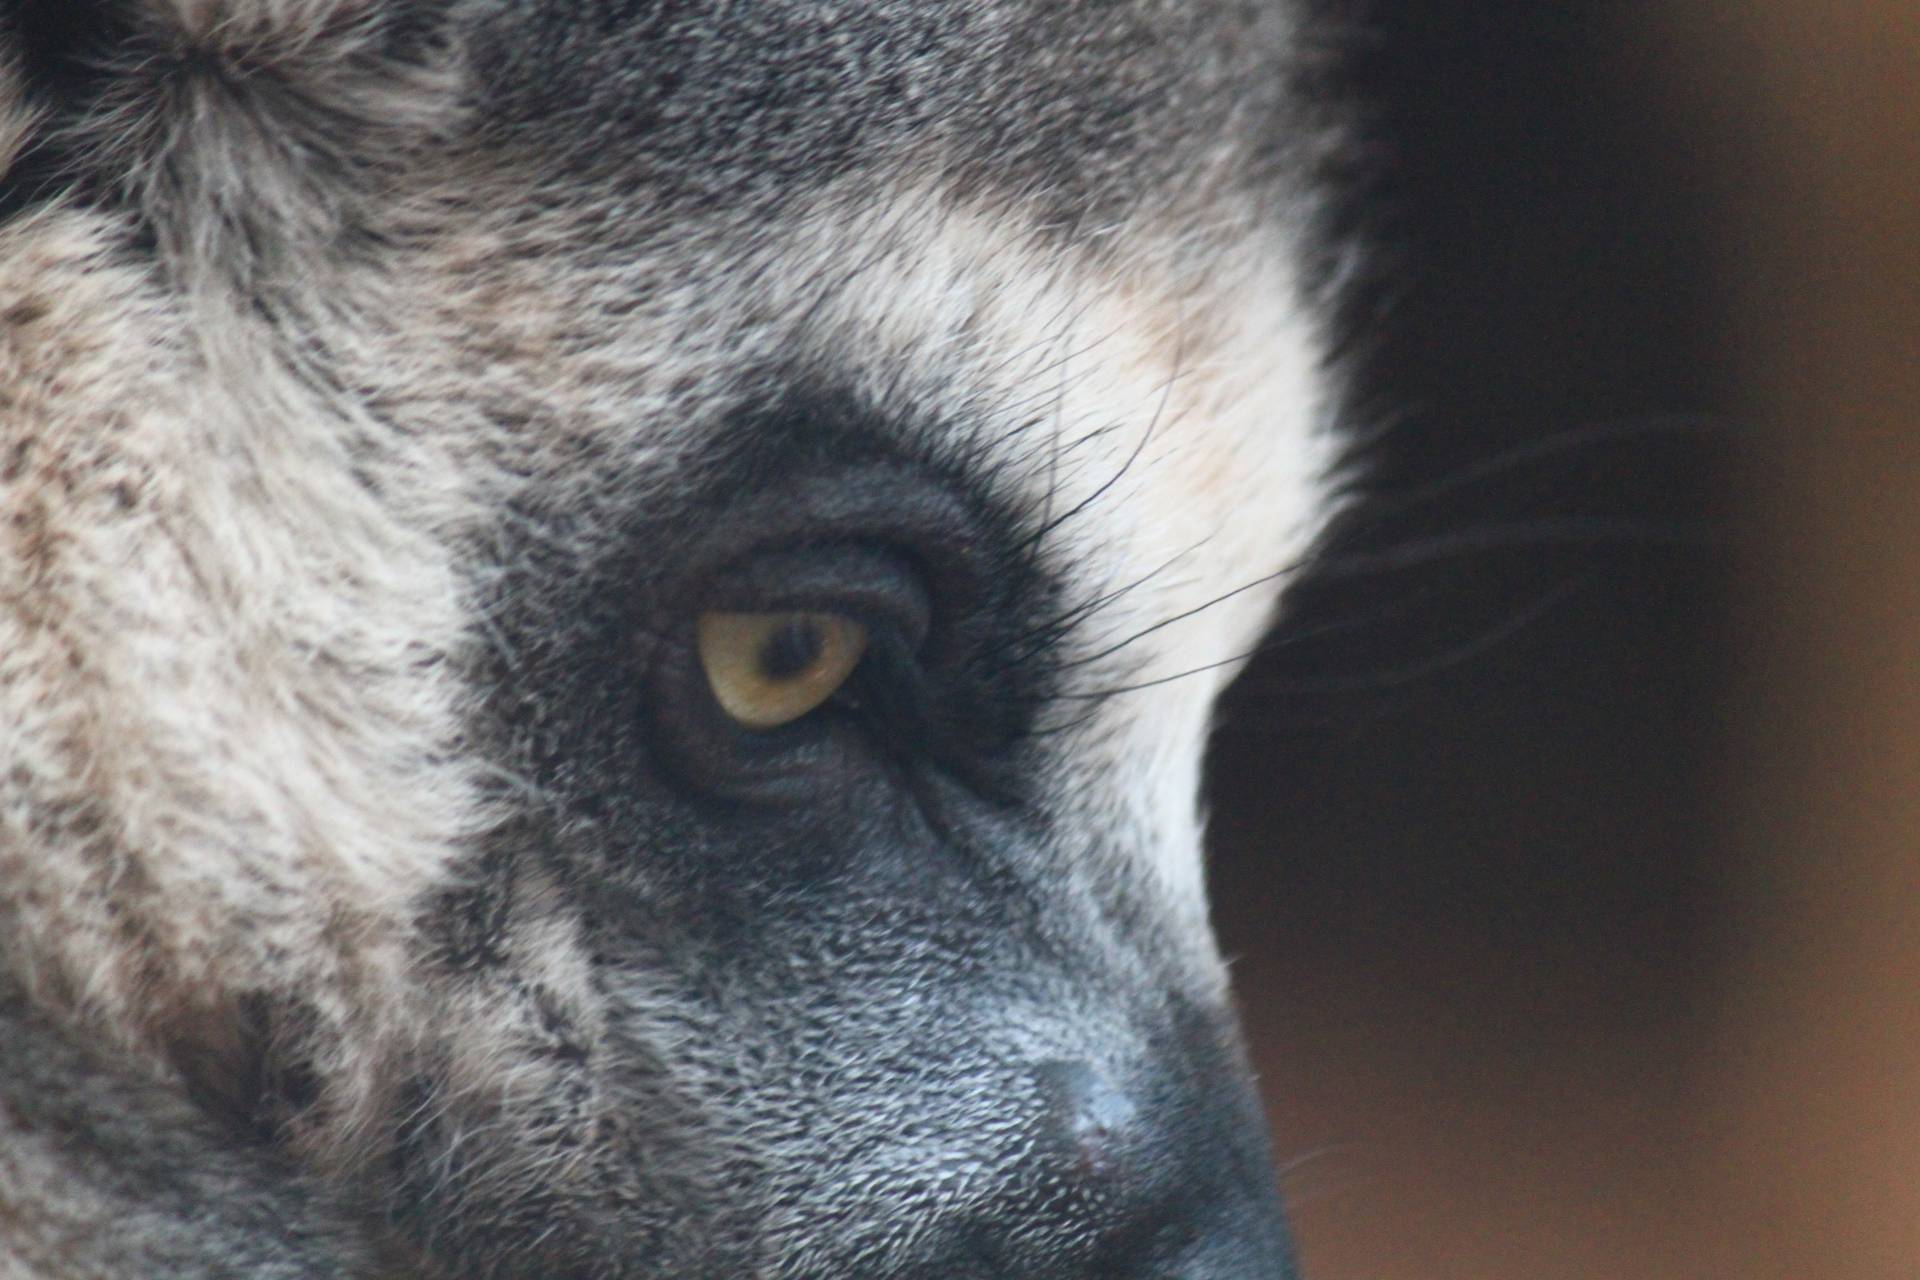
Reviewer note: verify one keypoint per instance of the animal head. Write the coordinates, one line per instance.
(609, 610)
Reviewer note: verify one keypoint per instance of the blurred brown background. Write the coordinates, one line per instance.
(1569, 836)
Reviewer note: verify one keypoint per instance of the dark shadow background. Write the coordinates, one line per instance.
(1463, 843)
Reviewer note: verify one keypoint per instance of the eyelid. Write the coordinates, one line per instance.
(876, 586)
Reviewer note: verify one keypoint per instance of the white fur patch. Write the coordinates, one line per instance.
(1172, 422)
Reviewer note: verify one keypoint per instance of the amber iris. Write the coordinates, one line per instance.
(769, 669)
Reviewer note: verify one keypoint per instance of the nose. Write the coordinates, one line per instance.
(1096, 1122)
(1156, 1178)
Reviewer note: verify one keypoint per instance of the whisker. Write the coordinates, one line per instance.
(1379, 679)
(1063, 621)
(1506, 536)
(1539, 449)
(1146, 436)
(1425, 551)
(1182, 616)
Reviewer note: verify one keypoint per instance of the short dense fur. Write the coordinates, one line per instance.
(385, 384)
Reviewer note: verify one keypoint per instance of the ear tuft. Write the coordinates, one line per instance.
(48, 36)
(67, 53)
(230, 126)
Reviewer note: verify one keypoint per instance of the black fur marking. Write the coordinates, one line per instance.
(250, 1067)
(468, 925)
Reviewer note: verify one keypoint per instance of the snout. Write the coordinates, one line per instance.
(1126, 1177)
(1174, 1177)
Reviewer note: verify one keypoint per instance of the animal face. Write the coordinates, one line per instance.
(608, 612)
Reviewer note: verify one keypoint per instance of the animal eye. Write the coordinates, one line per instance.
(769, 669)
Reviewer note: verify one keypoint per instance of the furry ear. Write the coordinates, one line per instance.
(237, 124)
(49, 38)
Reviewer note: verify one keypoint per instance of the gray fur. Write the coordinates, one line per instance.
(383, 388)
(105, 1175)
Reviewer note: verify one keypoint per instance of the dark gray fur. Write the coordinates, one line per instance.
(108, 1175)
(744, 106)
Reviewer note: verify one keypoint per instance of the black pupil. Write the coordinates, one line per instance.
(791, 649)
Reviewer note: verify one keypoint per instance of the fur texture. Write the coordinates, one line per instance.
(384, 386)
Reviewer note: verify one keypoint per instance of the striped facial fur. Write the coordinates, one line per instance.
(439, 442)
